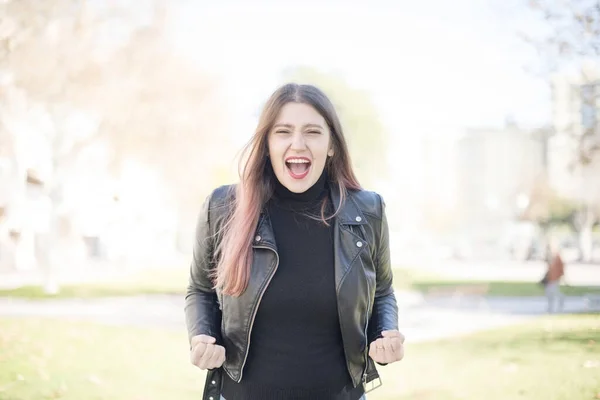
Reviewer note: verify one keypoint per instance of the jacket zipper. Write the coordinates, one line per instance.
(366, 326)
(257, 304)
(340, 319)
(366, 339)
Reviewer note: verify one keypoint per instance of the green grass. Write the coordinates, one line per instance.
(500, 288)
(174, 281)
(545, 359)
(429, 283)
(551, 358)
(154, 281)
(50, 359)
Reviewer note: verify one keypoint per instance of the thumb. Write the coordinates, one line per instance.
(203, 339)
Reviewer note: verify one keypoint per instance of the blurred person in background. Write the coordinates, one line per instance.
(555, 271)
(290, 293)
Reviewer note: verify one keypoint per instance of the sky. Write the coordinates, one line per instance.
(432, 67)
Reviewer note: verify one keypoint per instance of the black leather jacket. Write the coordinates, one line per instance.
(363, 277)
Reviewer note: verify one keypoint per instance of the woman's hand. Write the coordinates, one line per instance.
(388, 349)
(205, 354)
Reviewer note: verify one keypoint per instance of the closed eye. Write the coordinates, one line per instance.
(314, 132)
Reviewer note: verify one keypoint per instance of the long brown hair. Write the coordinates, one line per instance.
(234, 252)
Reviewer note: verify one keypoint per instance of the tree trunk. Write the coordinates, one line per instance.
(20, 230)
(49, 249)
(586, 225)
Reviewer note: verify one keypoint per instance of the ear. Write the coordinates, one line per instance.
(330, 153)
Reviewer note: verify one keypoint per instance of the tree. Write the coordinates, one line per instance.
(570, 33)
(547, 208)
(165, 114)
(571, 37)
(367, 139)
(134, 93)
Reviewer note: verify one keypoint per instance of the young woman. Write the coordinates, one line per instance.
(290, 293)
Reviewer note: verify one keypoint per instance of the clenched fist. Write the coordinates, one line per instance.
(388, 349)
(205, 354)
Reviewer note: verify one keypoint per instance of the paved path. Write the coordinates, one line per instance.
(441, 317)
(420, 320)
(145, 311)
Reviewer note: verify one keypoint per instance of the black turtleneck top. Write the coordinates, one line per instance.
(296, 350)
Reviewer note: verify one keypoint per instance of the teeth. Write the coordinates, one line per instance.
(297, 161)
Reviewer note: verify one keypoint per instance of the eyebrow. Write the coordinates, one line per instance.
(290, 126)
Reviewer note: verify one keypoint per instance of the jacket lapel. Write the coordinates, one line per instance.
(264, 235)
(347, 244)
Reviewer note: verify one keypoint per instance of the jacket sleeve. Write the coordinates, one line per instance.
(385, 309)
(202, 311)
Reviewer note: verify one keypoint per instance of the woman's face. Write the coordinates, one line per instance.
(299, 144)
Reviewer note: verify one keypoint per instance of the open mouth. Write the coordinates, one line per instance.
(298, 167)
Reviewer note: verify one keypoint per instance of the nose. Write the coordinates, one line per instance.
(298, 142)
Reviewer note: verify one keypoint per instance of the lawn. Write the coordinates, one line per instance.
(174, 281)
(551, 358)
(498, 288)
(425, 282)
(148, 282)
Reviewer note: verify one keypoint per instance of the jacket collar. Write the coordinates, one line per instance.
(264, 235)
(349, 214)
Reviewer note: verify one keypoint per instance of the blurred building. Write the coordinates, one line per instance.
(575, 110)
(496, 170)
(92, 214)
(23, 160)
(438, 178)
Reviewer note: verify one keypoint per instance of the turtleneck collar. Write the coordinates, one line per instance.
(315, 192)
